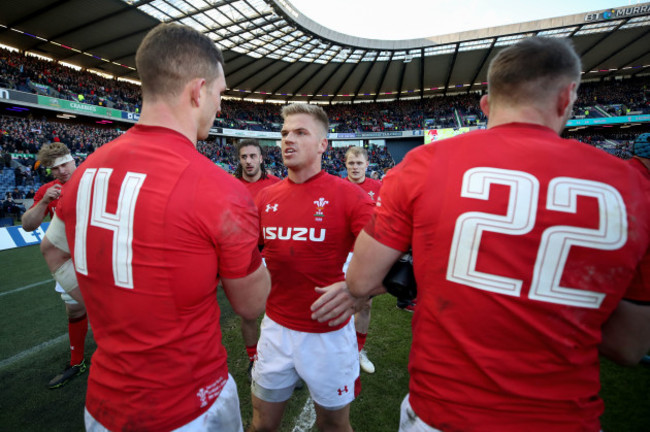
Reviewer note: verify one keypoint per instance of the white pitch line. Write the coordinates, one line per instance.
(11, 360)
(26, 287)
(307, 417)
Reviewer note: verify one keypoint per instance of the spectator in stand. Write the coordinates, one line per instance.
(19, 176)
(6, 157)
(17, 194)
(9, 206)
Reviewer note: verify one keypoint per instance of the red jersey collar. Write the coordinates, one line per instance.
(310, 179)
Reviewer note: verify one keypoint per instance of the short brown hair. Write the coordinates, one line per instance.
(315, 111)
(50, 152)
(171, 55)
(356, 151)
(532, 69)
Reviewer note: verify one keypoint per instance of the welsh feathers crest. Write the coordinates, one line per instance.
(320, 204)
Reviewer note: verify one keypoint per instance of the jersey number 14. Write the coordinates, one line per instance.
(121, 222)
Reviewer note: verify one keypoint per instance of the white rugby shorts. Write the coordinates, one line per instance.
(347, 264)
(410, 422)
(328, 363)
(64, 295)
(224, 415)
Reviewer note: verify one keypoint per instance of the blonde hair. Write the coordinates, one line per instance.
(356, 151)
(315, 111)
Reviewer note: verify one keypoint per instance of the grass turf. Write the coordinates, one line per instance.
(36, 315)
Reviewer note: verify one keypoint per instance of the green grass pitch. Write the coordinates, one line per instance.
(34, 326)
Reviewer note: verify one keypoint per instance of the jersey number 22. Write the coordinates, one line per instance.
(520, 218)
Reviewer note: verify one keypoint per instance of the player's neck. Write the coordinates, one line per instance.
(302, 174)
(252, 179)
(644, 161)
(162, 114)
(526, 114)
(359, 181)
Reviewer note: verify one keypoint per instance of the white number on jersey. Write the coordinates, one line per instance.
(120, 222)
(520, 218)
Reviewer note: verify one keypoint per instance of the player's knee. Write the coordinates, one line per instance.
(262, 428)
(262, 422)
(333, 419)
(75, 311)
(332, 424)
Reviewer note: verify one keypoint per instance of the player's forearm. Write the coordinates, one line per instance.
(362, 288)
(370, 263)
(34, 216)
(626, 334)
(248, 295)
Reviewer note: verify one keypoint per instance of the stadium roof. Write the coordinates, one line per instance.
(273, 52)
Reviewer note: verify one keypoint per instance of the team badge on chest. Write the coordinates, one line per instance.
(320, 204)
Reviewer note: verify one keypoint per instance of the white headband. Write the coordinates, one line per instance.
(61, 160)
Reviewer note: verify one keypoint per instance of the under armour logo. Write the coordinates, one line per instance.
(372, 194)
(345, 390)
(270, 207)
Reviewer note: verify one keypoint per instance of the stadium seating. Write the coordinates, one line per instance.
(596, 99)
(22, 137)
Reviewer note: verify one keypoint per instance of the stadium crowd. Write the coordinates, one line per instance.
(21, 138)
(34, 75)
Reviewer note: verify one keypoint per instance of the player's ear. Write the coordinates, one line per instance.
(195, 88)
(323, 145)
(565, 98)
(485, 105)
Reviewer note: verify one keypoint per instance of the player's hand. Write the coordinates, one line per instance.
(52, 193)
(335, 305)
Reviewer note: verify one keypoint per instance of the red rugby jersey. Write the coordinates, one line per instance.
(40, 193)
(523, 245)
(308, 230)
(255, 187)
(152, 224)
(371, 186)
